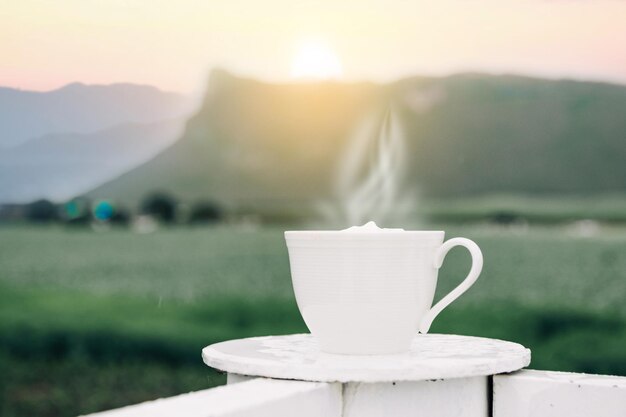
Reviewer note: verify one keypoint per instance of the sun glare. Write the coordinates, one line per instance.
(315, 60)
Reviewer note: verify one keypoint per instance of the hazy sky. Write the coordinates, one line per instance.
(173, 44)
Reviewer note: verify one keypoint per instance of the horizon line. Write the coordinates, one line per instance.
(340, 80)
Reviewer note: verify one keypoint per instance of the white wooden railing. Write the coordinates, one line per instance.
(524, 393)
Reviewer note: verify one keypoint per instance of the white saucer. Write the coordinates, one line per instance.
(432, 356)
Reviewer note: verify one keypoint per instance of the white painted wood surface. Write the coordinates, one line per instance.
(432, 356)
(434, 398)
(259, 397)
(558, 394)
(467, 397)
(524, 393)
(521, 394)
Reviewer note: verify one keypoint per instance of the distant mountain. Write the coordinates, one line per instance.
(59, 166)
(80, 108)
(254, 142)
(279, 146)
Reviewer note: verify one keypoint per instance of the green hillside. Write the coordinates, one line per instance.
(279, 146)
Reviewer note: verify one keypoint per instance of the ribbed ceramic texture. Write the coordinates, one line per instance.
(364, 294)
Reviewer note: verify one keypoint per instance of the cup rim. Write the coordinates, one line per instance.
(376, 235)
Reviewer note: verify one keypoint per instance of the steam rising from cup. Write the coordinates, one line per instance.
(370, 175)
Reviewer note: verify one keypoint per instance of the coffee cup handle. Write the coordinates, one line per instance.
(477, 266)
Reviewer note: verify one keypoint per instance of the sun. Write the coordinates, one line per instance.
(314, 59)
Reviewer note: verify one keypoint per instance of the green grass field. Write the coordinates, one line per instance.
(90, 321)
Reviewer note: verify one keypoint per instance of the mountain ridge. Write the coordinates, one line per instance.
(255, 143)
(57, 166)
(81, 108)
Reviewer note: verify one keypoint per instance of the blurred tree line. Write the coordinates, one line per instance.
(159, 206)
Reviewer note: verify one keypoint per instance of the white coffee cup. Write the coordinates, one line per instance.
(371, 292)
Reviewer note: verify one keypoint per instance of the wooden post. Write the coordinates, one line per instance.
(442, 397)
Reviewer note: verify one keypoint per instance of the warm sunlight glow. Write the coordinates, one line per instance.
(173, 46)
(314, 59)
